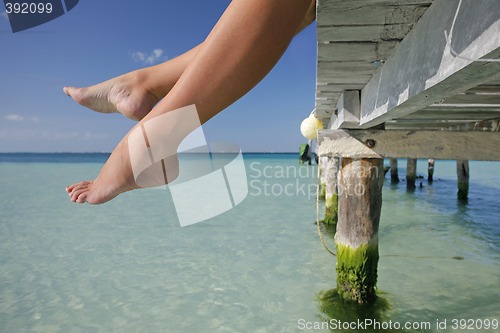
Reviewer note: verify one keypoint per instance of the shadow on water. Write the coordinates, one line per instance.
(344, 316)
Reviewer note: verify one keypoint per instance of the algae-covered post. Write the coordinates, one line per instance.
(463, 179)
(323, 160)
(331, 194)
(394, 171)
(411, 173)
(360, 203)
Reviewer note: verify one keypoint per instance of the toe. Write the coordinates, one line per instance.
(76, 193)
(69, 90)
(76, 186)
(82, 197)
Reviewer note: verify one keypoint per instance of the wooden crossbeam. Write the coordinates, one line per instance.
(444, 145)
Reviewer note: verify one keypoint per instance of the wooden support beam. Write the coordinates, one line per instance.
(394, 171)
(348, 108)
(463, 179)
(424, 70)
(444, 145)
(411, 173)
(360, 203)
(331, 193)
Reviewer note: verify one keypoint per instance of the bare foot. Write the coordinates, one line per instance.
(123, 94)
(115, 177)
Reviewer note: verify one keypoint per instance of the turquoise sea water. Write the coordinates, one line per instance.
(127, 266)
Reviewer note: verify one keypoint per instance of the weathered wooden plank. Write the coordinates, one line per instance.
(485, 89)
(355, 51)
(471, 99)
(423, 70)
(465, 115)
(336, 87)
(345, 67)
(347, 80)
(340, 13)
(363, 33)
(410, 144)
(363, 51)
(327, 96)
(427, 126)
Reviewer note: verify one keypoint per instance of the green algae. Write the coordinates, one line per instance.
(357, 272)
(331, 209)
(322, 191)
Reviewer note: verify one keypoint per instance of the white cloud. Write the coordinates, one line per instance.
(19, 118)
(154, 57)
(14, 117)
(94, 136)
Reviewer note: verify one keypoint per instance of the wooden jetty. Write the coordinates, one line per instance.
(400, 79)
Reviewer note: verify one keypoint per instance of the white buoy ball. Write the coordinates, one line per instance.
(310, 126)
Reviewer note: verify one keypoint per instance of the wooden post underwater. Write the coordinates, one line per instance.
(394, 171)
(331, 192)
(411, 173)
(360, 203)
(463, 179)
(430, 170)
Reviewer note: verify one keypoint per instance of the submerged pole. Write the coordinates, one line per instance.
(430, 170)
(331, 193)
(411, 173)
(360, 203)
(394, 171)
(463, 179)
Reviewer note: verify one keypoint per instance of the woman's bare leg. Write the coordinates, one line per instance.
(243, 47)
(134, 94)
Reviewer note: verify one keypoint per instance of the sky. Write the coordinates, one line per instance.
(98, 40)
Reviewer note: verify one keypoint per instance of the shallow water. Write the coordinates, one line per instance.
(127, 266)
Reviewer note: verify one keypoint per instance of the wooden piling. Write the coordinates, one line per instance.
(360, 203)
(331, 193)
(394, 171)
(323, 160)
(430, 170)
(411, 173)
(463, 179)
